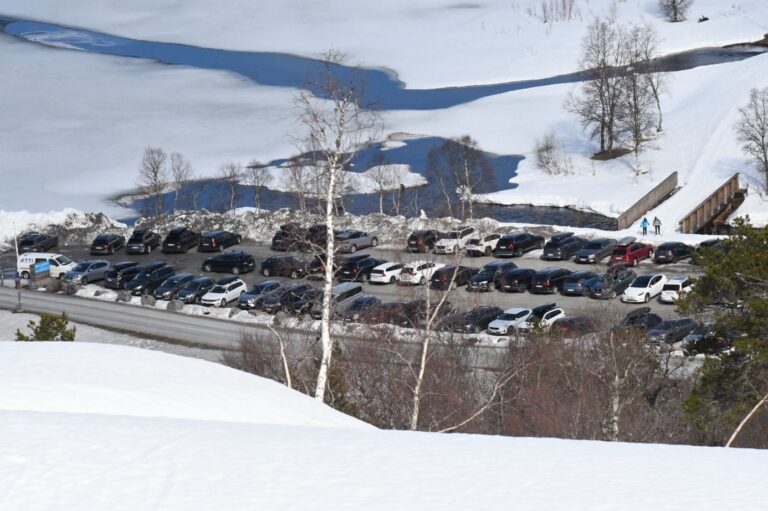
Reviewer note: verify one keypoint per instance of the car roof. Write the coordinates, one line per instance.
(515, 310)
(387, 265)
(338, 288)
(546, 271)
(626, 241)
(544, 307)
(677, 278)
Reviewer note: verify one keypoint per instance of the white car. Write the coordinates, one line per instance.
(455, 240)
(221, 294)
(58, 264)
(643, 288)
(386, 273)
(675, 288)
(483, 245)
(524, 319)
(418, 272)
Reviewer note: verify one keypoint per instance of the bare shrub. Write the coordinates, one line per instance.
(675, 10)
(550, 156)
(752, 129)
(552, 11)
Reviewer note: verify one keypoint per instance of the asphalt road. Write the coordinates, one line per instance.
(192, 262)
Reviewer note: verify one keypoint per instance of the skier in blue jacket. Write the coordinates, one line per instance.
(644, 224)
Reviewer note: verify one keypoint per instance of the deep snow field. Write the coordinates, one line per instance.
(93, 426)
(75, 123)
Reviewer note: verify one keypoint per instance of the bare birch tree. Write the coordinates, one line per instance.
(230, 175)
(675, 10)
(181, 172)
(752, 129)
(153, 178)
(337, 125)
(646, 41)
(381, 176)
(297, 181)
(258, 177)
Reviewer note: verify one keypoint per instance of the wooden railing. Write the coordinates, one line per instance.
(712, 206)
(647, 202)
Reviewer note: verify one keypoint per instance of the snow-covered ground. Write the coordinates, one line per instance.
(76, 139)
(103, 427)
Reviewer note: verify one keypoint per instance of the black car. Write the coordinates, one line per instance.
(216, 241)
(641, 319)
(180, 239)
(562, 247)
(487, 279)
(392, 313)
(168, 289)
(708, 246)
(315, 241)
(610, 284)
(308, 300)
(549, 280)
(422, 241)
(358, 306)
(37, 242)
(574, 283)
(708, 339)
(358, 270)
(441, 278)
(106, 244)
(283, 298)
(142, 241)
(194, 290)
(120, 274)
(575, 325)
(415, 312)
(284, 266)
(670, 331)
(232, 261)
(672, 252)
(516, 244)
(149, 279)
(252, 298)
(289, 237)
(473, 321)
(595, 251)
(517, 280)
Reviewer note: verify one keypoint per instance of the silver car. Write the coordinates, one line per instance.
(88, 271)
(352, 241)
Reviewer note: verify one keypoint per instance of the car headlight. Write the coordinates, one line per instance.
(591, 257)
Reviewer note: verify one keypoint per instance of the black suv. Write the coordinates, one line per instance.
(150, 278)
(595, 251)
(283, 298)
(358, 270)
(120, 274)
(232, 261)
(516, 244)
(422, 241)
(316, 238)
(216, 241)
(142, 241)
(487, 278)
(252, 298)
(106, 244)
(358, 306)
(37, 242)
(284, 266)
(672, 252)
(562, 247)
(549, 280)
(517, 280)
(289, 237)
(180, 239)
(473, 321)
(441, 278)
(307, 301)
(168, 289)
(194, 290)
(640, 319)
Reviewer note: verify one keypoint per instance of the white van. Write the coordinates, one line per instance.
(60, 264)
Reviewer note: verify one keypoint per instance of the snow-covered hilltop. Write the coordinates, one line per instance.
(90, 426)
(115, 106)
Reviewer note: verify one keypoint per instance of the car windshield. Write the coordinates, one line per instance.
(358, 305)
(63, 260)
(218, 289)
(454, 235)
(136, 238)
(174, 235)
(671, 287)
(666, 324)
(619, 251)
(511, 316)
(101, 239)
(641, 281)
(487, 272)
(193, 285)
(81, 267)
(592, 245)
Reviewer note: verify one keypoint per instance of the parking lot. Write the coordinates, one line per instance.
(192, 262)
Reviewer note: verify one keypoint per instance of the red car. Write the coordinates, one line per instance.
(630, 251)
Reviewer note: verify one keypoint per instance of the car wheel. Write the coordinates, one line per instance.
(294, 274)
(646, 298)
(392, 279)
(223, 303)
(517, 252)
(239, 239)
(540, 245)
(235, 270)
(25, 275)
(198, 300)
(206, 267)
(374, 242)
(352, 249)
(422, 281)
(147, 248)
(111, 250)
(364, 277)
(612, 294)
(265, 272)
(487, 251)
(634, 262)
(510, 330)
(84, 280)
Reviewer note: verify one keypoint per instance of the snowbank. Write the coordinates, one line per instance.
(97, 427)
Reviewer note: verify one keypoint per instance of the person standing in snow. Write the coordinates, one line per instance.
(644, 225)
(656, 225)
